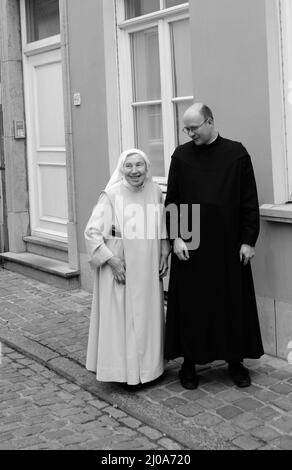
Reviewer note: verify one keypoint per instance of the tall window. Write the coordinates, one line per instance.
(155, 76)
(286, 43)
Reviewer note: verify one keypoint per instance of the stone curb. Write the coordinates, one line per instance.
(154, 415)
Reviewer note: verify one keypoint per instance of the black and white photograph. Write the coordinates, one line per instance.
(145, 228)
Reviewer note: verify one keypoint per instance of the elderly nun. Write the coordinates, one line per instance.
(128, 248)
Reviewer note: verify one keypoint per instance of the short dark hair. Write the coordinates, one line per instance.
(206, 112)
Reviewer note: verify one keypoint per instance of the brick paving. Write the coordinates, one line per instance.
(216, 415)
(40, 410)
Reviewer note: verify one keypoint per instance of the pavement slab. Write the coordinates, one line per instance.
(45, 331)
(67, 427)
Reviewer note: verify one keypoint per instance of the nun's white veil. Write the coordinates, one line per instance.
(118, 173)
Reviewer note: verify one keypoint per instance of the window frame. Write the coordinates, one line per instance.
(281, 209)
(276, 101)
(41, 45)
(161, 19)
(286, 52)
(48, 43)
(29, 18)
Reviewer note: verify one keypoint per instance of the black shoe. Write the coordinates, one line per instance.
(188, 379)
(239, 375)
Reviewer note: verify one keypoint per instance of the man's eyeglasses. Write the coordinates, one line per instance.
(188, 130)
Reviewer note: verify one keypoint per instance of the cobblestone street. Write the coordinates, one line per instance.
(48, 400)
(41, 410)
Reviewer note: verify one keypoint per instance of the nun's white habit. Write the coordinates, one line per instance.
(126, 331)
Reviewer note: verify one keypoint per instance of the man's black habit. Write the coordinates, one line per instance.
(212, 312)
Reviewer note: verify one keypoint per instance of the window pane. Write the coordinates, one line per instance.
(140, 7)
(180, 108)
(145, 62)
(149, 136)
(172, 3)
(182, 62)
(43, 20)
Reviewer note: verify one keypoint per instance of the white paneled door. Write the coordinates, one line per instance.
(46, 145)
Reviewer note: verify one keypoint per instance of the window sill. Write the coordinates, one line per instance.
(277, 212)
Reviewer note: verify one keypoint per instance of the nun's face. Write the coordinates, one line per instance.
(135, 170)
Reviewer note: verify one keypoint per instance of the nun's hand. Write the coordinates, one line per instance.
(118, 269)
(163, 266)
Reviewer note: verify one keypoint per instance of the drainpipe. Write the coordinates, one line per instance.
(3, 209)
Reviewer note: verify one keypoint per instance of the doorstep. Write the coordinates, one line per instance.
(42, 268)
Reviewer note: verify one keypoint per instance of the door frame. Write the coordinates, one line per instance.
(43, 45)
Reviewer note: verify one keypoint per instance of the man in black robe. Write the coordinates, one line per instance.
(212, 311)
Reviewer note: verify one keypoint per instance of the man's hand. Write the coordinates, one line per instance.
(246, 253)
(163, 266)
(118, 269)
(180, 249)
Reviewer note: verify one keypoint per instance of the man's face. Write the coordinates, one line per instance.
(199, 130)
